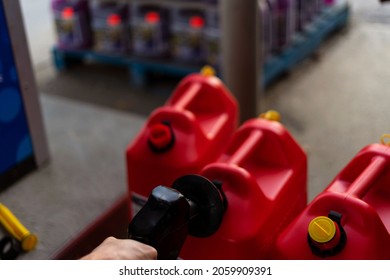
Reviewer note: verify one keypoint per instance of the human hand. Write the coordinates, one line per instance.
(122, 249)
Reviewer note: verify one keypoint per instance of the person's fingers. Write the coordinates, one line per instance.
(122, 249)
(145, 252)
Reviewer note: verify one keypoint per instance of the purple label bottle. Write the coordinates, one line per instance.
(283, 14)
(150, 29)
(187, 29)
(329, 2)
(212, 36)
(319, 6)
(299, 18)
(110, 27)
(303, 13)
(311, 9)
(267, 27)
(72, 23)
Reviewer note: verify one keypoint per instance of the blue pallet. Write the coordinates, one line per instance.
(307, 42)
(139, 68)
(304, 44)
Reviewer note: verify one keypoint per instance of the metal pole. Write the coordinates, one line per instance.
(27, 82)
(240, 44)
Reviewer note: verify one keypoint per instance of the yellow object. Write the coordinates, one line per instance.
(16, 229)
(271, 115)
(383, 139)
(207, 71)
(322, 229)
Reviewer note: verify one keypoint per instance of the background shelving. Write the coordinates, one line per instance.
(303, 44)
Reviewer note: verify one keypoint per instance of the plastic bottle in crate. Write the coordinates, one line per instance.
(283, 13)
(149, 29)
(72, 23)
(266, 24)
(301, 14)
(110, 26)
(212, 35)
(307, 11)
(187, 29)
(319, 6)
(329, 2)
(313, 8)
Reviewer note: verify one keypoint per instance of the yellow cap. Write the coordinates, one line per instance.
(17, 229)
(385, 139)
(271, 115)
(29, 242)
(207, 71)
(322, 229)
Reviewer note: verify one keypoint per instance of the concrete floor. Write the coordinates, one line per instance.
(84, 177)
(333, 105)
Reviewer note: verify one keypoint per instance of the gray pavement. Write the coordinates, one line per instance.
(84, 177)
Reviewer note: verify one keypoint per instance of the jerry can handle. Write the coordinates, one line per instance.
(246, 149)
(364, 181)
(255, 137)
(193, 90)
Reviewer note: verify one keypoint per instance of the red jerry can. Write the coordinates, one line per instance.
(191, 130)
(350, 219)
(263, 175)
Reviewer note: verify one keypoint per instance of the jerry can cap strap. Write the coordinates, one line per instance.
(161, 137)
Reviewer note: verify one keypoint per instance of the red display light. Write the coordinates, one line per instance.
(114, 20)
(68, 13)
(197, 22)
(152, 17)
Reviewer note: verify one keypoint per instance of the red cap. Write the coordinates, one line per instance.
(114, 20)
(196, 22)
(161, 136)
(152, 17)
(67, 13)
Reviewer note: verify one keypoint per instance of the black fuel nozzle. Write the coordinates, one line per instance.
(194, 205)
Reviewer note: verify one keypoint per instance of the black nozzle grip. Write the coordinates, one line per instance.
(194, 205)
(162, 223)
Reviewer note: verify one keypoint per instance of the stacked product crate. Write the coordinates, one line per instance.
(174, 32)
